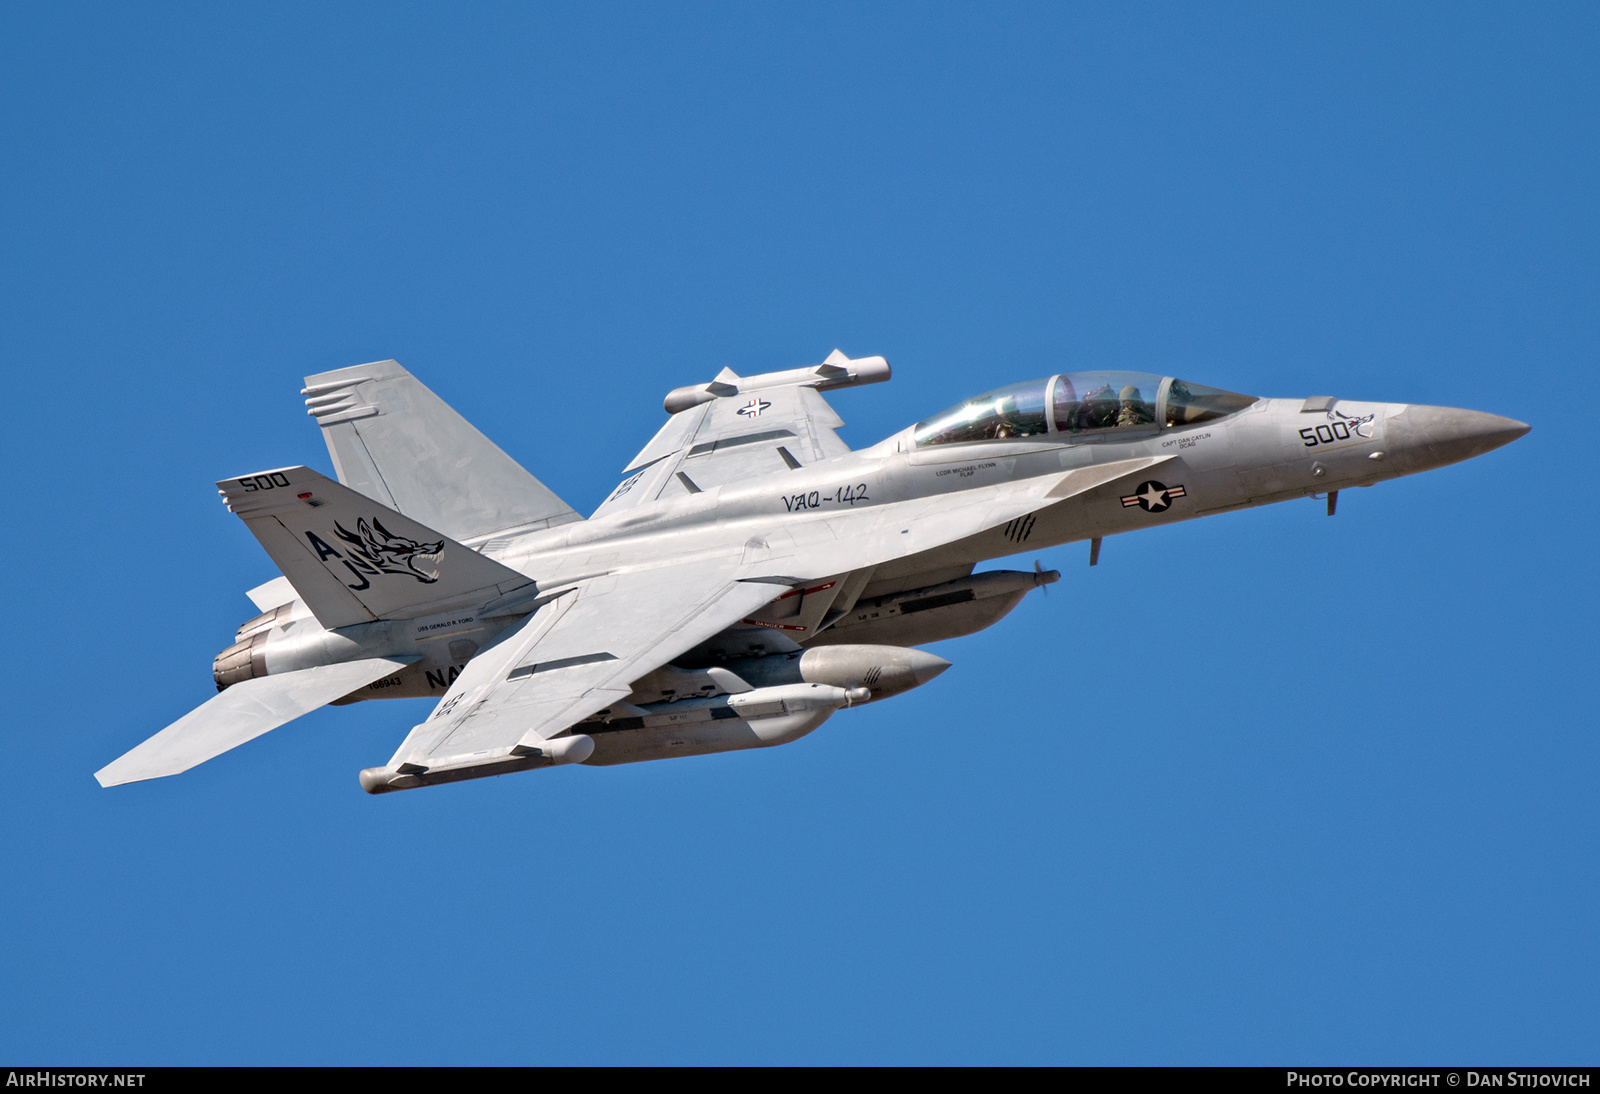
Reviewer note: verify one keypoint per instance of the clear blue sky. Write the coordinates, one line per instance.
(1261, 788)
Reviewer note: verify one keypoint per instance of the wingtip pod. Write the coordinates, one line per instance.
(837, 371)
(383, 780)
(842, 371)
(571, 749)
(683, 398)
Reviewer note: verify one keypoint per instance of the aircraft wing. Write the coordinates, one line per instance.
(576, 655)
(726, 441)
(582, 649)
(740, 427)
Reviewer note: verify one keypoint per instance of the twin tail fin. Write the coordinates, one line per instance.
(353, 560)
(394, 440)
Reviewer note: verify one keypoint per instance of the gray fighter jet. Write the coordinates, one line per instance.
(748, 577)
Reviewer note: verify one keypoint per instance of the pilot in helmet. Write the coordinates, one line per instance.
(1100, 407)
(1133, 410)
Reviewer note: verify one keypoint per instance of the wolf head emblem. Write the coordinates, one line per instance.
(1361, 427)
(387, 553)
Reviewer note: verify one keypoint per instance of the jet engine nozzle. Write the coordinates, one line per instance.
(241, 661)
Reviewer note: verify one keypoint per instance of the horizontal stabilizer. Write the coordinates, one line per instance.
(397, 442)
(352, 560)
(242, 713)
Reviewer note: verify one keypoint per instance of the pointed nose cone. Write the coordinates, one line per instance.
(1432, 436)
(924, 665)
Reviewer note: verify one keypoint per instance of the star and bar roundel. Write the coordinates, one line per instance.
(1153, 497)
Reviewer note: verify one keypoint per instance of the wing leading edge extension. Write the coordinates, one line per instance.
(871, 537)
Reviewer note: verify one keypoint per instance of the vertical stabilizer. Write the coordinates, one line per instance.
(400, 444)
(352, 560)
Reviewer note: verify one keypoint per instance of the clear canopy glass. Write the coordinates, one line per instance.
(1188, 403)
(1084, 401)
(1079, 403)
(1015, 411)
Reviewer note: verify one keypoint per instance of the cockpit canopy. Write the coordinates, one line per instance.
(1079, 403)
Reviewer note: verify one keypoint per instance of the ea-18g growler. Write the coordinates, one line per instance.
(749, 576)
